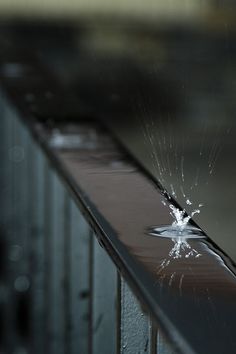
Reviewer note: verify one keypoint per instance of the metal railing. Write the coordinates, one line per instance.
(78, 272)
(61, 292)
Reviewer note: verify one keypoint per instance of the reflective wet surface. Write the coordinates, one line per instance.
(186, 275)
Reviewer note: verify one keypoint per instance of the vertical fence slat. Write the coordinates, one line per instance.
(47, 255)
(79, 281)
(8, 334)
(104, 316)
(16, 229)
(6, 171)
(135, 326)
(21, 202)
(67, 273)
(56, 283)
(37, 248)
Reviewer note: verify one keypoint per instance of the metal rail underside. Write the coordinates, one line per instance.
(65, 185)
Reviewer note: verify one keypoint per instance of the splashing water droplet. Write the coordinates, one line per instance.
(172, 190)
(179, 215)
(170, 231)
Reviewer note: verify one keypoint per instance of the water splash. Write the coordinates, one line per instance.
(180, 237)
(181, 219)
(180, 231)
(182, 248)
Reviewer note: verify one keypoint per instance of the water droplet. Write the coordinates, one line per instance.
(180, 217)
(172, 190)
(197, 211)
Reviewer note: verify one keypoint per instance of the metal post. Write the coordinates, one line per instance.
(104, 309)
(19, 159)
(79, 281)
(15, 219)
(7, 311)
(54, 271)
(37, 232)
(135, 326)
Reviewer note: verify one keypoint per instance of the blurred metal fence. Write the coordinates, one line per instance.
(59, 290)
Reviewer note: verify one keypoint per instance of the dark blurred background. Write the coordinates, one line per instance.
(161, 74)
